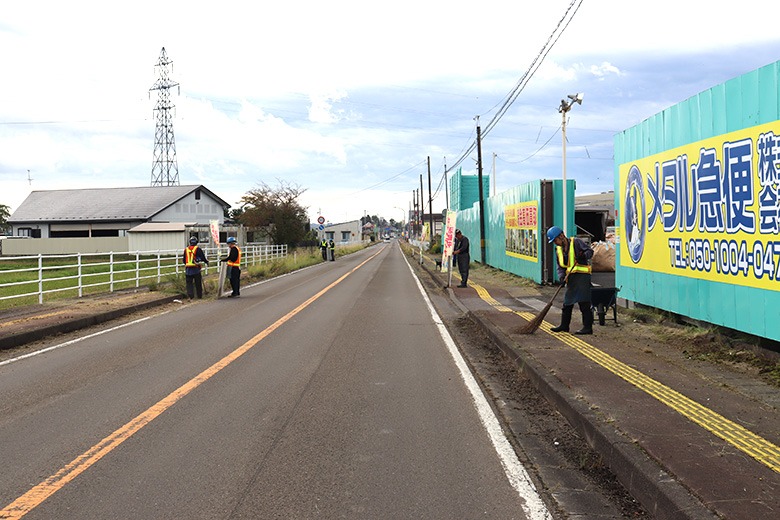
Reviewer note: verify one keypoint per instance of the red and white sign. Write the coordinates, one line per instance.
(448, 240)
(214, 225)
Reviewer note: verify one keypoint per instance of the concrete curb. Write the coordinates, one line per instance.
(23, 338)
(649, 483)
(658, 491)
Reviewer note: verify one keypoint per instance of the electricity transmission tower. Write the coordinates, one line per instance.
(165, 170)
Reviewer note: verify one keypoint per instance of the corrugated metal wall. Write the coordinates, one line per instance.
(467, 221)
(743, 102)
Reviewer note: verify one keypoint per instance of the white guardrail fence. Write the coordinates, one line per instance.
(28, 276)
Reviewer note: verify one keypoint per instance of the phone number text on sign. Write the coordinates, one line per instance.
(727, 257)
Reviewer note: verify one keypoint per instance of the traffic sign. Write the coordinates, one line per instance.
(321, 219)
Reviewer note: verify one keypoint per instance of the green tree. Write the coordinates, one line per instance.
(5, 214)
(275, 211)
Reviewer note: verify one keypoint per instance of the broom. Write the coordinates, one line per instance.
(531, 326)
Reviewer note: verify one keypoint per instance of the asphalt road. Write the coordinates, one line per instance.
(328, 393)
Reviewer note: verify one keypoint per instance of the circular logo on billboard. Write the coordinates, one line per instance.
(635, 215)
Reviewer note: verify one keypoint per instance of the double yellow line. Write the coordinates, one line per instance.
(741, 438)
(35, 496)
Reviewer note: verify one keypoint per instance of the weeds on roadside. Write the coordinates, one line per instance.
(712, 344)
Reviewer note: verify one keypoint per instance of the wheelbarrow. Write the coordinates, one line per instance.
(601, 300)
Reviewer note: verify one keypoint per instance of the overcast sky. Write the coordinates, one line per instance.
(347, 99)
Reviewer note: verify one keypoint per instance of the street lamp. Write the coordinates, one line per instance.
(563, 109)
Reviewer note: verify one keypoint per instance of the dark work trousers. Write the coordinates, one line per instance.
(194, 284)
(235, 279)
(463, 267)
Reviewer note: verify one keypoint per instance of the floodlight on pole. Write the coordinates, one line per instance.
(564, 109)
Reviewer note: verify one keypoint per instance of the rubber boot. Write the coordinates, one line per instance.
(587, 319)
(565, 319)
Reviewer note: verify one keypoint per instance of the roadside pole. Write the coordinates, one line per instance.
(214, 228)
(221, 280)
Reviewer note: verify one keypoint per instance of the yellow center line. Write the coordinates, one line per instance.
(35, 496)
(741, 438)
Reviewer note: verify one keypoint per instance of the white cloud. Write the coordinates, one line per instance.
(344, 95)
(604, 69)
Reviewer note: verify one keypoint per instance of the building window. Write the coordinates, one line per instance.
(197, 194)
(105, 232)
(74, 233)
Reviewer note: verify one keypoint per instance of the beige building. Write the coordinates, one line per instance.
(115, 219)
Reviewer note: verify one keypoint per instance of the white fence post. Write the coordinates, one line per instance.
(81, 283)
(40, 278)
(101, 274)
(111, 271)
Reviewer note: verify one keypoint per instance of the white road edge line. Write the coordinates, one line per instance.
(77, 340)
(533, 505)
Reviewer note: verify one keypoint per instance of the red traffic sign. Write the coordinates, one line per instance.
(321, 219)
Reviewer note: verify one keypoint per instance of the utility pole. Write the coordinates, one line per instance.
(422, 205)
(165, 170)
(446, 187)
(481, 195)
(416, 212)
(430, 198)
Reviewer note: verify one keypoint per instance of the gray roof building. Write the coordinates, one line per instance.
(106, 212)
(107, 204)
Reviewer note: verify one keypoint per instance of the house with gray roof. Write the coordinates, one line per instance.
(112, 217)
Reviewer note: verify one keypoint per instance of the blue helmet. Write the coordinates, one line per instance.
(553, 233)
(193, 241)
(231, 240)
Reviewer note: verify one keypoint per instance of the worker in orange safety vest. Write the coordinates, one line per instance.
(193, 258)
(233, 260)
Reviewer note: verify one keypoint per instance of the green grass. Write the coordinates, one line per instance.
(96, 272)
(61, 276)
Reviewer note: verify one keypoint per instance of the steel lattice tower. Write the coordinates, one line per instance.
(165, 170)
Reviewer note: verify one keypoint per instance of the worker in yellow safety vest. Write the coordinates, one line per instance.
(233, 260)
(331, 250)
(193, 258)
(324, 248)
(573, 257)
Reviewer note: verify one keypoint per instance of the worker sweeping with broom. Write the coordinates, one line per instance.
(573, 256)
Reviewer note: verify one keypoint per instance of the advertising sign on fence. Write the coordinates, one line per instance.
(706, 210)
(521, 222)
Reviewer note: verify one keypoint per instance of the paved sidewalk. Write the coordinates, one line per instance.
(687, 439)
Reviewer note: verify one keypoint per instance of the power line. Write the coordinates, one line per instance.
(525, 78)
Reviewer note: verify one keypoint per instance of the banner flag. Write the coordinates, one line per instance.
(214, 225)
(448, 240)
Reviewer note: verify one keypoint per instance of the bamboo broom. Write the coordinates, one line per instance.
(531, 326)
